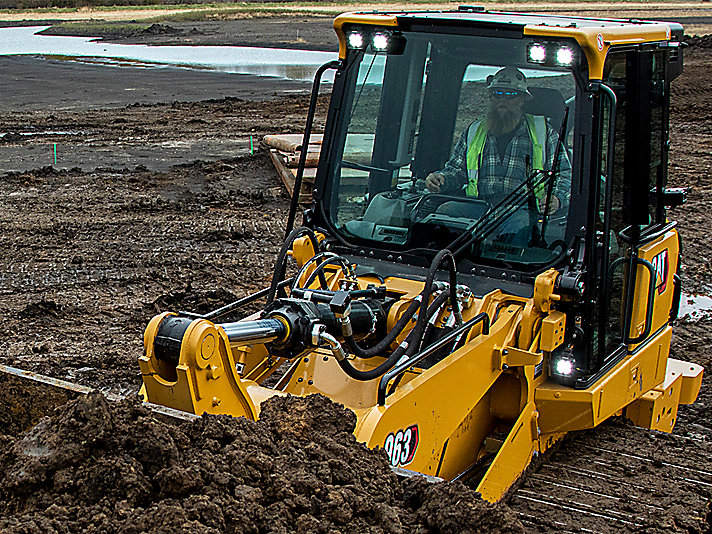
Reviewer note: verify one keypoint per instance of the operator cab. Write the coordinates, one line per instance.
(408, 107)
(409, 84)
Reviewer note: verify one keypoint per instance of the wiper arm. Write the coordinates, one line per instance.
(500, 212)
(554, 170)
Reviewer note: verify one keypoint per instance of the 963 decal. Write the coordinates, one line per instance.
(400, 446)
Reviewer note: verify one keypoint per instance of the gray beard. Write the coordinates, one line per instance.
(500, 122)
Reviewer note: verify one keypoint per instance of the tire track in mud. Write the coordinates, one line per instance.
(618, 478)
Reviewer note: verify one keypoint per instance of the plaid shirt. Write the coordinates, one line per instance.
(498, 178)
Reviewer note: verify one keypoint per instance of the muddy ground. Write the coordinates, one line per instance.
(160, 205)
(96, 467)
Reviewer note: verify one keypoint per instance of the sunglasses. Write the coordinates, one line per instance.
(510, 95)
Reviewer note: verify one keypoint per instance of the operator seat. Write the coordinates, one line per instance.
(548, 103)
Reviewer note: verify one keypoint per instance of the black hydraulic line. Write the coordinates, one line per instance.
(382, 345)
(432, 313)
(319, 270)
(410, 341)
(374, 373)
(321, 256)
(425, 298)
(305, 142)
(419, 327)
(244, 300)
(442, 342)
(429, 328)
(325, 258)
(280, 266)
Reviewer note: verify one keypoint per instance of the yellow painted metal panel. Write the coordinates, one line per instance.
(657, 409)
(663, 255)
(691, 379)
(562, 409)
(438, 401)
(552, 331)
(464, 444)
(513, 457)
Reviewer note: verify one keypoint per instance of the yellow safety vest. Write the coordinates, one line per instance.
(476, 137)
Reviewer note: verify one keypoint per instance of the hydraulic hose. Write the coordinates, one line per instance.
(382, 345)
(419, 327)
(280, 266)
(432, 311)
(431, 325)
(364, 376)
(324, 259)
(319, 270)
(359, 351)
(407, 347)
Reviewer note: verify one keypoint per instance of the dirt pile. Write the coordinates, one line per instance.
(701, 41)
(96, 466)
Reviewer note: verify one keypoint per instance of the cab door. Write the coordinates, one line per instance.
(635, 250)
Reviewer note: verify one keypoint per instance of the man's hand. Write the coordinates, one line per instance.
(554, 205)
(434, 182)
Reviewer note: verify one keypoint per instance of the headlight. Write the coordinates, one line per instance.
(552, 54)
(565, 56)
(563, 370)
(564, 367)
(355, 40)
(537, 53)
(380, 42)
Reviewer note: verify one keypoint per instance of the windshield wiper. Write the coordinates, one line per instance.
(512, 202)
(555, 170)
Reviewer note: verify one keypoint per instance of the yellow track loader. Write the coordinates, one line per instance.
(469, 327)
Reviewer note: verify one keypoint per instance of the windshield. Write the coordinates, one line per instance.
(457, 138)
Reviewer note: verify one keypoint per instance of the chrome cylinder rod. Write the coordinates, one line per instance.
(262, 330)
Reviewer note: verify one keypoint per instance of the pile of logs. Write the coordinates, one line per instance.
(285, 151)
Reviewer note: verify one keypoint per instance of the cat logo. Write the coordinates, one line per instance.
(661, 268)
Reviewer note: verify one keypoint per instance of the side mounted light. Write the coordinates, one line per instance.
(562, 369)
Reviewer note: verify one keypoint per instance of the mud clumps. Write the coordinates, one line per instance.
(701, 41)
(95, 466)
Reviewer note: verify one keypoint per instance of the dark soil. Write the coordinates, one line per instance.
(100, 467)
(158, 204)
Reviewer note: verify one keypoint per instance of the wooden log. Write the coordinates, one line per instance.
(288, 177)
(312, 160)
(290, 142)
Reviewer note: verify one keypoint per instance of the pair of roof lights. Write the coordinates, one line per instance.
(553, 54)
(381, 41)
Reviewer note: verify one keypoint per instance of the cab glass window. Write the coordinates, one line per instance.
(458, 141)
